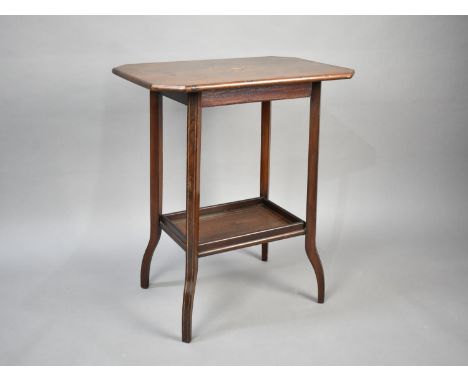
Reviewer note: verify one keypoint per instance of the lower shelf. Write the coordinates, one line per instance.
(229, 226)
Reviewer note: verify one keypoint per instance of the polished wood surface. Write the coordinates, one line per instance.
(191, 224)
(228, 226)
(265, 160)
(246, 94)
(235, 225)
(221, 97)
(311, 209)
(156, 181)
(194, 76)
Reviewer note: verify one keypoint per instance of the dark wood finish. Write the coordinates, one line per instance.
(220, 97)
(311, 211)
(193, 210)
(193, 76)
(224, 227)
(265, 160)
(156, 181)
(234, 225)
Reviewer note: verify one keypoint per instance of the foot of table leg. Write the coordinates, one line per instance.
(146, 263)
(265, 252)
(314, 259)
(189, 292)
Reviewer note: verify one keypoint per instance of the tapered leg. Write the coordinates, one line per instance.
(311, 213)
(265, 160)
(193, 210)
(156, 179)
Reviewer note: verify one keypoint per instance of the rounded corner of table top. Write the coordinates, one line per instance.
(350, 73)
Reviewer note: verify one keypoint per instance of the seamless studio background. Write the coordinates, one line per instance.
(392, 207)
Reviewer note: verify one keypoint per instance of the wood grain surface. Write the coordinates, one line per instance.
(234, 225)
(193, 76)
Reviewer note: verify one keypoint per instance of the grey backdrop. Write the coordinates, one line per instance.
(392, 213)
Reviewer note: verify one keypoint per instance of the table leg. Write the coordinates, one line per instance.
(265, 160)
(193, 210)
(156, 180)
(311, 214)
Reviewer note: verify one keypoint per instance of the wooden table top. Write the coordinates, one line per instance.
(192, 76)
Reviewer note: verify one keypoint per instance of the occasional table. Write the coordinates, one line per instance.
(224, 227)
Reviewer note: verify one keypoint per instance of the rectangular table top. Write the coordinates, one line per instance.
(192, 76)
